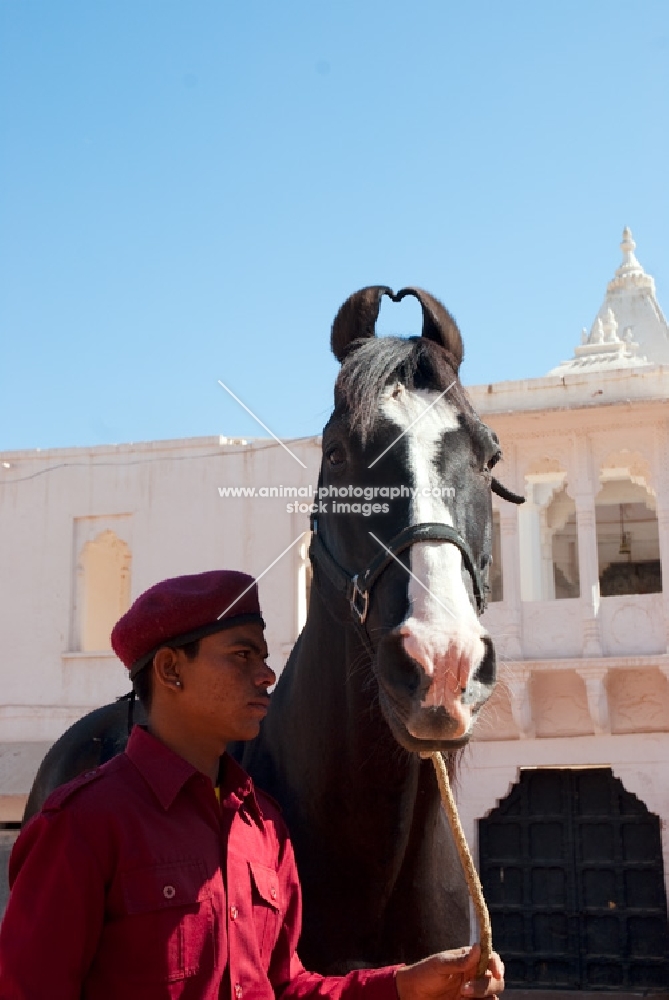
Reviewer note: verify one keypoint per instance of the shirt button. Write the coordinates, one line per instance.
(169, 892)
(239, 992)
(234, 912)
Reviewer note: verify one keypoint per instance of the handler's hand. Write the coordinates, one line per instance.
(449, 975)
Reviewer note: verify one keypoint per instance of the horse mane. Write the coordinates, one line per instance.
(371, 364)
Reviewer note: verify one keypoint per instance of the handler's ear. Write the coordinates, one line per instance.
(167, 668)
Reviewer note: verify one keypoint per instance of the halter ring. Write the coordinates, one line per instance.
(356, 595)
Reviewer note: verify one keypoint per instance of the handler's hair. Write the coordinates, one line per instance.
(143, 682)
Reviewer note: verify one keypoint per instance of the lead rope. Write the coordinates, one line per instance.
(471, 875)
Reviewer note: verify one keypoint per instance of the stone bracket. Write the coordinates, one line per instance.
(597, 695)
(521, 703)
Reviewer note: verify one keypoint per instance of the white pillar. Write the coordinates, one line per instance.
(529, 517)
(508, 523)
(588, 569)
(663, 531)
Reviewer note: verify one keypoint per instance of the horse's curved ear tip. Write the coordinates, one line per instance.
(356, 318)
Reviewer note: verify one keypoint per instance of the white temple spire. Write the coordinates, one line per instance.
(629, 330)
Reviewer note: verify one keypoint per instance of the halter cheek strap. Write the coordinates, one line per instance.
(357, 588)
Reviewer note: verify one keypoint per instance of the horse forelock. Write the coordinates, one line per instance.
(371, 365)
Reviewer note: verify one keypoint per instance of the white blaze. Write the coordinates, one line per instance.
(442, 632)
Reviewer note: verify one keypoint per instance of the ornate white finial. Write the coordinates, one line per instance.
(610, 327)
(630, 274)
(628, 245)
(584, 336)
(597, 335)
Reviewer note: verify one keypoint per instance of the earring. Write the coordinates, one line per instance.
(178, 684)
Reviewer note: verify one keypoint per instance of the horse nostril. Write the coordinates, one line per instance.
(409, 673)
(404, 671)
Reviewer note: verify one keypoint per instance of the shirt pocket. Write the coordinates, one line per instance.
(166, 932)
(267, 908)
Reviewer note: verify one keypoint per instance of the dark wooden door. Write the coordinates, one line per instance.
(571, 866)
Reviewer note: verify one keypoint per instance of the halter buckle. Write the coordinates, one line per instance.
(359, 601)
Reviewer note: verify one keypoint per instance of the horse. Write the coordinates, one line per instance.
(393, 662)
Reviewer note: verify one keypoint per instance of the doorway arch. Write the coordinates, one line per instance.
(571, 866)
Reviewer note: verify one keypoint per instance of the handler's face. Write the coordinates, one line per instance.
(224, 689)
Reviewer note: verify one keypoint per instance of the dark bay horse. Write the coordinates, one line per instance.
(392, 662)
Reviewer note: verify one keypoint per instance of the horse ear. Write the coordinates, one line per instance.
(438, 324)
(357, 318)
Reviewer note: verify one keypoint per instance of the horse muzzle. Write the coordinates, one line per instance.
(432, 697)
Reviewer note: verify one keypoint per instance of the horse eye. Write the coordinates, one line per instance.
(336, 456)
(493, 461)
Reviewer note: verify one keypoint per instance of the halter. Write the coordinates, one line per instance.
(357, 589)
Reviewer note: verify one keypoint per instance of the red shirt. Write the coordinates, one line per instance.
(134, 884)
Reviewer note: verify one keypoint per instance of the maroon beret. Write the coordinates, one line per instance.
(182, 610)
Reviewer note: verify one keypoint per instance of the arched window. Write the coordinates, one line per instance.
(628, 543)
(548, 538)
(103, 590)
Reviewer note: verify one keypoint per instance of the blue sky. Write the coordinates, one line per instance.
(189, 190)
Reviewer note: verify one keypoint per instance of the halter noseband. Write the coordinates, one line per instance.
(357, 589)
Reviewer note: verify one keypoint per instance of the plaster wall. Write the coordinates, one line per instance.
(162, 500)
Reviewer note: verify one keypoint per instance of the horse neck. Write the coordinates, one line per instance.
(330, 693)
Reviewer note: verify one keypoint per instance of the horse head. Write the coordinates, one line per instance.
(403, 529)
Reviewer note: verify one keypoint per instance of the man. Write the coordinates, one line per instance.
(164, 873)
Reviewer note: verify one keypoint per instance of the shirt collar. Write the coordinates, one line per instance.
(237, 788)
(166, 773)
